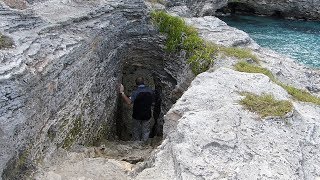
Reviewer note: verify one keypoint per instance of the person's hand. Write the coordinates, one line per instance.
(121, 88)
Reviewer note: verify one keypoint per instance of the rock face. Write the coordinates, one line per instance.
(211, 136)
(58, 84)
(58, 88)
(301, 9)
(198, 7)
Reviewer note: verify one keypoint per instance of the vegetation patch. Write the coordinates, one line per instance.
(200, 54)
(298, 94)
(250, 68)
(240, 53)
(5, 42)
(266, 105)
(73, 134)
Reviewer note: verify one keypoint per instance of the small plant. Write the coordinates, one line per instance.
(298, 94)
(266, 105)
(5, 42)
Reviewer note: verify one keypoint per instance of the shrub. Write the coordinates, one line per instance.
(265, 105)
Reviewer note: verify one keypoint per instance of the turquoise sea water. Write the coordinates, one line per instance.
(298, 39)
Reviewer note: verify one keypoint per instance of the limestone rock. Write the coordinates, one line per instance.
(210, 136)
(301, 9)
(199, 7)
(214, 30)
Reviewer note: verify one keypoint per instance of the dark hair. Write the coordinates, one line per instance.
(139, 81)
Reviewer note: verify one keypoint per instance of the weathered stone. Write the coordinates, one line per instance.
(301, 9)
(210, 136)
(58, 89)
(58, 85)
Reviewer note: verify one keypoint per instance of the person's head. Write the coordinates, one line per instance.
(139, 81)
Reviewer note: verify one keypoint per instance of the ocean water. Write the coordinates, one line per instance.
(297, 39)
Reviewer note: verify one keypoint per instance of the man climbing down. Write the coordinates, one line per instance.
(141, 99)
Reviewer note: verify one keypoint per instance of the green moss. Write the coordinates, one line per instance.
(5, 42)
(100, 136)
(51, 135)
(73, 134)
(298, 94)
(266, 105)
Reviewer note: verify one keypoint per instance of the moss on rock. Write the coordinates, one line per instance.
(73, 134)
(5, 42)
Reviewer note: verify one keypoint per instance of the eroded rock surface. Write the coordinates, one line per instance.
(301, 9)
(58, 84)
(58, 88)
(211, 136)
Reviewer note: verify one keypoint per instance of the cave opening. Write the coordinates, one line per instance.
(149, 60)
(236, 8)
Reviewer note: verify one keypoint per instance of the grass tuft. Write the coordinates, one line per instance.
(240, 53)
(298, 94)
(250, 68)
(266, 105)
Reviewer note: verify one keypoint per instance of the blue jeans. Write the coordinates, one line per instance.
(140, 130)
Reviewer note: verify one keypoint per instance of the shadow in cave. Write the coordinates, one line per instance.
(124, 111)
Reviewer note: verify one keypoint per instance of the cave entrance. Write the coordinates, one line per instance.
(146, 60)
(237, 8)
(124, 119)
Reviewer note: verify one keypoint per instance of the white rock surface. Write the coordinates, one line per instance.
(210, 136)
(213, 29)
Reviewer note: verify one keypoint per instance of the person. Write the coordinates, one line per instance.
(142, 99)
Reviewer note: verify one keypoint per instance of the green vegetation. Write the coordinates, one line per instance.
(298, 94)
(200, 54)
(250, 68)
(266, 105)
(73, 134)
(183, 37)
(5, 42)
(239, 53)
